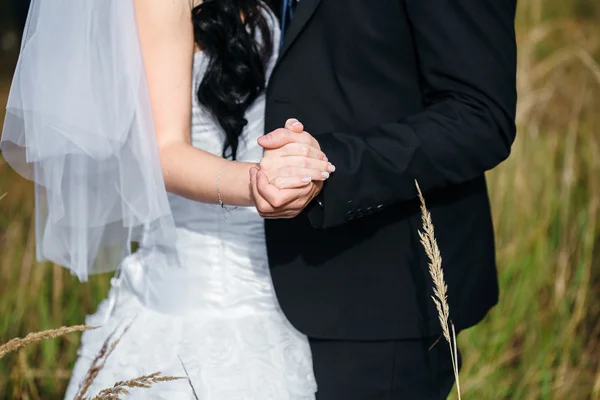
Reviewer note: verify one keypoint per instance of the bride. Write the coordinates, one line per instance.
(114, 103)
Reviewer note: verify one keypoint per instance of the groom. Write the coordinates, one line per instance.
(393, 91)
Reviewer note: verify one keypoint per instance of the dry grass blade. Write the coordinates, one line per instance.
(17, 343)
(122, 388)
(94, 369)
(189, 379)
(2, 196)
(99, 361)
(440, 289)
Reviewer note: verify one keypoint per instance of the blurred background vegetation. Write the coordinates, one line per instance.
(541, 342)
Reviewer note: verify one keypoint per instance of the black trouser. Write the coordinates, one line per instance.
(395, 370)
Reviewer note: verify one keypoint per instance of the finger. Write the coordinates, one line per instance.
(255, 195)
(260, 203)
(293, 207)
(308, 174)
(280, 137)
(310, 163)
(252, 171)
(304, 150)
(265, 189)
(291, 182)
(274, 196)
(294, 125)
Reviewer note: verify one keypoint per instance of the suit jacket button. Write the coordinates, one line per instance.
(350, 215)
(379, 207)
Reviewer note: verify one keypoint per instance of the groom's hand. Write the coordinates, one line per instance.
(291, 173)
(293, 158)
(293, 133)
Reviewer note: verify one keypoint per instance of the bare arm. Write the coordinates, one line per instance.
(166, 36)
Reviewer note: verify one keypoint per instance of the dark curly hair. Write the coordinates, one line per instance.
(227, 31)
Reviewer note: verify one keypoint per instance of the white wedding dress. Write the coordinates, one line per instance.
(218, 317)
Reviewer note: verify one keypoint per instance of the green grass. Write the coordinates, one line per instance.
(541, 342)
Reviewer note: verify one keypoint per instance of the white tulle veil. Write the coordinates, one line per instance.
(79, 125)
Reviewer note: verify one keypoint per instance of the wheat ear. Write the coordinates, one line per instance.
(122, 388)
(98, 362)
(17, 343)
(440, 289)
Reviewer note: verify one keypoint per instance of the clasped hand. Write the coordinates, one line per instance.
(291, 173)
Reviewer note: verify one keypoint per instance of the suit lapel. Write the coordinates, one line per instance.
(303, 14)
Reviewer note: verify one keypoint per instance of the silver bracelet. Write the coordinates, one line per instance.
(223, 207)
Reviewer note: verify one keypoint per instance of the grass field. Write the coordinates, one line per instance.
(541, 342)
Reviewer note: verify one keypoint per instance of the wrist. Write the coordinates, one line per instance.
(234, 184)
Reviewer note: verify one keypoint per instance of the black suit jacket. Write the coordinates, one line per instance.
(394, 91)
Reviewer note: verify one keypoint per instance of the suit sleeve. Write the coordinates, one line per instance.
(466, 54)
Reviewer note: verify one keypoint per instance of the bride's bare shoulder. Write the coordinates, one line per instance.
(165, 24)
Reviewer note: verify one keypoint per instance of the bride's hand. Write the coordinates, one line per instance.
(297, 163)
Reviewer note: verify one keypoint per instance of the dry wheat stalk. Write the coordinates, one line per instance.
(440, 289)
(94, 369)
(17, 343)
(122, 388)
(99, 361)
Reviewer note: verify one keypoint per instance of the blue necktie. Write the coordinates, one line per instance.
(287, 11)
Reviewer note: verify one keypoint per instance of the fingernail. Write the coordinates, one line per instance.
(306, 179)
(295, 123)
(325, 158)
(325, 174)
(331, 167)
